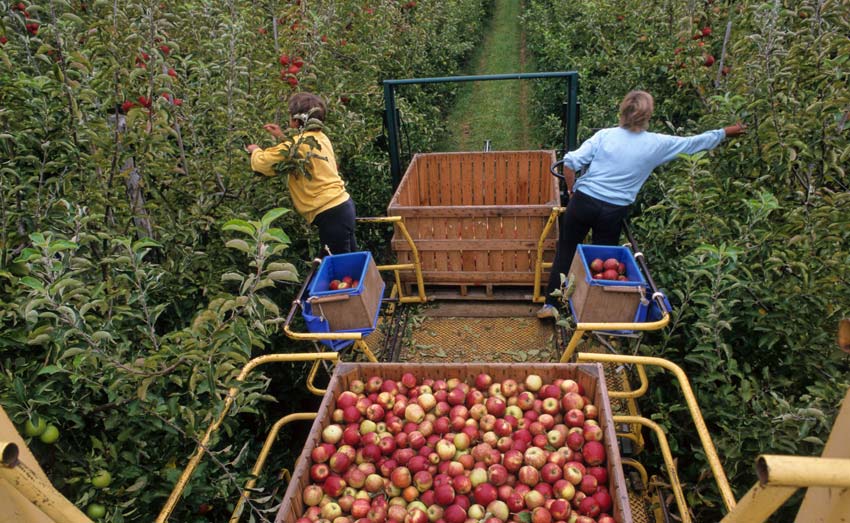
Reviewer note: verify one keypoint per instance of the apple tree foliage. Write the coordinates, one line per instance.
(751, 240)
(141, 262)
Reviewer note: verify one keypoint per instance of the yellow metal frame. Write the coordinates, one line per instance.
(261, 459)
(696, 415)
(416, 266)
(629, 395)
(540, 265)
(582, 328)
(174, 498)
(781, 476)
(27, 480)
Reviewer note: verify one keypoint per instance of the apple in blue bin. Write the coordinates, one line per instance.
(334, 285)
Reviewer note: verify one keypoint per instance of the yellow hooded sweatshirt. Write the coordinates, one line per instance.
(324, 190)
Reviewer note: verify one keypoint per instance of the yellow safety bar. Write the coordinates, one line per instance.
(416, 266)
(539, 265)
(693, 408)
(781, 476)
(675, 484)
(28, 483)
(581, 328)
(261, 459)
(166, 511)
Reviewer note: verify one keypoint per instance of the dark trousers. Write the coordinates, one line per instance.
(336, 228)
(584, 213)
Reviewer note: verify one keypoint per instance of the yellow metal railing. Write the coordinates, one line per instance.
(24, 480)
(539, 264)
(261, 459)
(416, 266)
(173, 499)
(781, 476)
(582, 328)
(690, 400)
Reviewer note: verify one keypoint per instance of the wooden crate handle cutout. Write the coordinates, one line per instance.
(328, 299)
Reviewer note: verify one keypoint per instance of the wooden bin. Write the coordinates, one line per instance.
(589, 375)
(607, 301)
(476, 218)
(352, 308)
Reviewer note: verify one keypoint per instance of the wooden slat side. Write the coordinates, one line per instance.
(535, 179)
(458, 187)
(489, 187)
(463, 211)
(478, 173)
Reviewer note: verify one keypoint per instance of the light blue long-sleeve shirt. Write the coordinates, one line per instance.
(621, 160)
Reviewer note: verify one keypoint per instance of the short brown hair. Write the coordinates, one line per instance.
(636, 110)
(307, 103)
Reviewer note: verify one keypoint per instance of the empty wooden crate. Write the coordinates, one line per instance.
(476, 218)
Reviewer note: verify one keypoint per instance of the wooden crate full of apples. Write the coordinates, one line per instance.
(450, 443)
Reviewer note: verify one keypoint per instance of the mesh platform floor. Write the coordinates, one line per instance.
(481, 339)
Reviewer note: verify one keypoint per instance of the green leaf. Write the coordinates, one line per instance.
(239, 245)
(275, 235)
(273, 215)
(232, 276)
(241, 226)
(145, 243)
(32, 283)
(283, 276)
(50, 369)
(61, 245)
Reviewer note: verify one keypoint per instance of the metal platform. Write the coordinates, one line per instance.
(470, 332)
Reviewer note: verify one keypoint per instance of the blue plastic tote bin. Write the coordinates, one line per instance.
(352, 309)
(607, 301)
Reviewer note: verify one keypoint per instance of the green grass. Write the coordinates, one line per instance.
(495, 110)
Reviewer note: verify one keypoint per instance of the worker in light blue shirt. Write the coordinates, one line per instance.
(619, 160)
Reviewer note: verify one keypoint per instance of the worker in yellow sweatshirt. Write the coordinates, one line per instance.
(317, 190)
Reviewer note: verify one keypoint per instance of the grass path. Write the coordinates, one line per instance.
(494, 110)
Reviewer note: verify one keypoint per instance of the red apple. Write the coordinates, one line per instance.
(589, 507)
(572, 473)
(592, 432)
(564, 489)
(483, 381)
(611, 264)
(497, 475)
(515, 502)
(551, 472)
(604, 499)
(594, 453)
(333, 486)
(312, 495)
(597, 265)
(560, 509)
(541, 515)
(588, 484)
(528, 475)
(454, 514)
(374, 483)
(600, 473)
(534, 499)
(484, 494)
(495, 406)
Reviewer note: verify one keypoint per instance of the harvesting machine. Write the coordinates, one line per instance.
(471, 233)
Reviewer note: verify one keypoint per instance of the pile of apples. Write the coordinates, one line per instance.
(444, 451)
(346, 282)
(610, 269)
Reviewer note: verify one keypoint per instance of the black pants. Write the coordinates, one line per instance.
(336, 228)
(584, 213)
